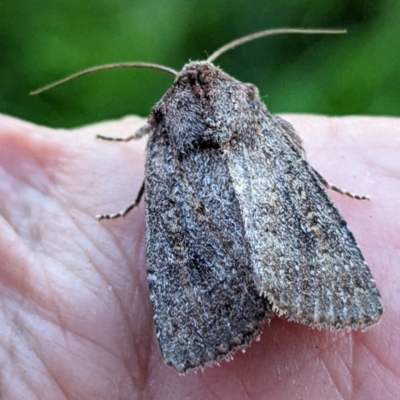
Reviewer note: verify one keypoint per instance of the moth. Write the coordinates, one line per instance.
(238, 224)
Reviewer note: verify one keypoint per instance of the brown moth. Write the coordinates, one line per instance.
(238, 224)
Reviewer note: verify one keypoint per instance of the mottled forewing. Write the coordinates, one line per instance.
(204, 297)
(305, 259)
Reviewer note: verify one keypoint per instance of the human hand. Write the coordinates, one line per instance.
(76, 313)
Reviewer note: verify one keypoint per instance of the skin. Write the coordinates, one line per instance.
(75, 310)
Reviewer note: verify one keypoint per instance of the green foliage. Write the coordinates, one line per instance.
(42, 41)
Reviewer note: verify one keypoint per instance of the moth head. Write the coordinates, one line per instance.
(205, 108)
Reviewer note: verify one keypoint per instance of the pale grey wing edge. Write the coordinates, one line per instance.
(306, 260)
(205, 302)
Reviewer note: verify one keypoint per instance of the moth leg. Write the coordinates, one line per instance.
(339, 190)
(144, 130)
(126, 211)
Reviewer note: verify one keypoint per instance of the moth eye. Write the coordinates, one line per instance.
(190, 77)
(184, 80)
(158, 116)
(204, 78)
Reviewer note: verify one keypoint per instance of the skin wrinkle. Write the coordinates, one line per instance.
(42, 258)
(55, 379)
(108, 254)
(68, 329)
(152, 388)
(185, 384)
(29, 341)
(80, 277)
(359, 385)
(44, 316)
(293, 372)
(335, 381)
(144, 360)
(9, 346)
(199, 392)
(74, 333)
(116, 243)
(383, 386)
(350, 367)
(24, 292)
(210, 389)
(143, 356)
(329, 375)
(245, 395)
(5, 231)
(68, 339)
(99, 249)
(46, 182)
(28, 384)
(53, 295)
(378, 360)
(314, 356)
(34, 237)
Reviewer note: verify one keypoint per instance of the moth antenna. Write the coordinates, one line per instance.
(104, 67)
(271, 32)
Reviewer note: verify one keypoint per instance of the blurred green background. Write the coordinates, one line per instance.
(41, 41)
